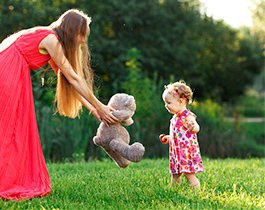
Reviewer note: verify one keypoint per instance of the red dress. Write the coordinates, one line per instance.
(23, 172)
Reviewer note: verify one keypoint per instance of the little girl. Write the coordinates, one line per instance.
(184, 152)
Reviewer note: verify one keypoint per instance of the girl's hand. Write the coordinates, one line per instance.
(106, 115)
(188, 123)
(164, 139)
(191, 124)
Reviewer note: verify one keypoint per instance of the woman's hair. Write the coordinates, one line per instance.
(182, 90)
(71, 24)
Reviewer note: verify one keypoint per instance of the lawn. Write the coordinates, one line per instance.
(225, 184)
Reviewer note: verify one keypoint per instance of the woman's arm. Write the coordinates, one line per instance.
(92, 109)
(54, 48)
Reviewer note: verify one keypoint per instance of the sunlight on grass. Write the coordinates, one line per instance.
(225, 184)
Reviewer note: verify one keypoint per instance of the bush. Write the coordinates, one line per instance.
(63, 138)
(219, 138)
(251, 104)
(151, 118)
(216, 138)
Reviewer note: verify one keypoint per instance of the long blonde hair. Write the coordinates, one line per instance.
(71, 24)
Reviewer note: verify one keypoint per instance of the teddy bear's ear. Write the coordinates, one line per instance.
(129, 101)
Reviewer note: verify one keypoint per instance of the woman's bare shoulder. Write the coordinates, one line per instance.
(49, 43)
(50, 39)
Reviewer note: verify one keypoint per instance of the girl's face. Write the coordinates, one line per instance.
(173, 103)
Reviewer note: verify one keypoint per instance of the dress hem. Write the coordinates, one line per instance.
(188, 172)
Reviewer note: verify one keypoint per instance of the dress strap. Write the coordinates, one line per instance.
(188, 112)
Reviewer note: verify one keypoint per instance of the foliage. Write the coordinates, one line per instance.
(258, 16)
(140, 86)
(216, 138)
(253, 144)
(64, 138)
(250, 105)
(205, 53)
(225, 184)
(219, 138)
(173, 37)
(150, 114)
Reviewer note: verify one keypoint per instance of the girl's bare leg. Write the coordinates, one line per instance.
(175, 179)
(192, 179)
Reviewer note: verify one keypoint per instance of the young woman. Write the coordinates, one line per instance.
(23, 172)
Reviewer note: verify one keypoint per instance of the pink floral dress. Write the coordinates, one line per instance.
(184, 152)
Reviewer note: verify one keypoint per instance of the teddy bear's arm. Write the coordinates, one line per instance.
(97, 141)
(127, 122)
(122, 114)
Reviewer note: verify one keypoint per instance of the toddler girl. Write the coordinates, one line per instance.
(185, 157)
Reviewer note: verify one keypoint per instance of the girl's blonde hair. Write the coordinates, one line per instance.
(71, 24)
(181, 89)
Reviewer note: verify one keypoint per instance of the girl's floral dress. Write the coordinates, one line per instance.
(184, 152)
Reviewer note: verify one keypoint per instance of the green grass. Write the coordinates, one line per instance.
(225, 184)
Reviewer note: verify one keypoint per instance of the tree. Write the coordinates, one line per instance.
(172, 35)
(258, 16)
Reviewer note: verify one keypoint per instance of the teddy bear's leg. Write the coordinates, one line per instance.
(120, 161)
(135, 152)
(119, 146)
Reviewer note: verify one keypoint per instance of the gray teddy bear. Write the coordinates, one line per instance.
(115, 138)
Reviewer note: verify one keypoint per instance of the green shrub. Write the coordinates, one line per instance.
(216, 138)
(151, 118)
(64, 138)
(219, 138)
(251, 104)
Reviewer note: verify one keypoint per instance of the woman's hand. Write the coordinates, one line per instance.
(164, 139)
(106, 115)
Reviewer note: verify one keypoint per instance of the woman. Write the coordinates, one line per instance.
(23, 172)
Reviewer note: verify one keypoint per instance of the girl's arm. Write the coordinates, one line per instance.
(54, 48)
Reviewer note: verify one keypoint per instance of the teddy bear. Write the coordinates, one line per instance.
(115, 138)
